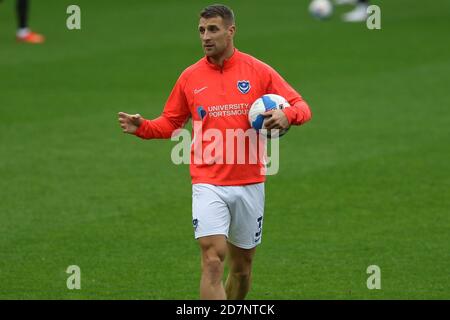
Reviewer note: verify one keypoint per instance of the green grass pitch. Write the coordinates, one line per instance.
(366, 182)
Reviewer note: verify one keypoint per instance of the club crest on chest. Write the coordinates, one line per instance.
(243, 86)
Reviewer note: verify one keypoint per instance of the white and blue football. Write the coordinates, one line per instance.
(265, 103)
(321, 9)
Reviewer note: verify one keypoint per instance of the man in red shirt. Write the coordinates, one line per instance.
(228, 196)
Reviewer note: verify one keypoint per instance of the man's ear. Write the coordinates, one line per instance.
(232, 30)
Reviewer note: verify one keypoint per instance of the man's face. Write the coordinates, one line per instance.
(215, 35)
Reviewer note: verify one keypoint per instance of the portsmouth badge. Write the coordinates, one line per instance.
(243, 86)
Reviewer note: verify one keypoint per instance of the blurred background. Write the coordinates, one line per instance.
(366, 182)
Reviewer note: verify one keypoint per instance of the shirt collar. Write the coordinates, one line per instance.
(227, 63)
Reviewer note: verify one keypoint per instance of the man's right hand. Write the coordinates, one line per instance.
(130, 122)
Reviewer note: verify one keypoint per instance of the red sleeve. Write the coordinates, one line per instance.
(299, 112)
(175, 114)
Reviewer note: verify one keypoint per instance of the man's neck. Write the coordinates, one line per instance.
(226, 55)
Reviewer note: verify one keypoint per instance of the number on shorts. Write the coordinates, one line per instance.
(258, 234)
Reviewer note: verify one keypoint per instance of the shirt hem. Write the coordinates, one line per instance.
(229, 182)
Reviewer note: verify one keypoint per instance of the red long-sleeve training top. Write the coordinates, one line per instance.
(219, 98)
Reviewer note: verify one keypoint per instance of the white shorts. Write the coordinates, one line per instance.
(234, 211)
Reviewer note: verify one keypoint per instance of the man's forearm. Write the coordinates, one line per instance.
(159, 128)
(299, 113)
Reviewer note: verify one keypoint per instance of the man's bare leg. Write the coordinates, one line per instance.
(239, 278)
(214, 249)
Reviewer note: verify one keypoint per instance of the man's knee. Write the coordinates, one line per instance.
(212, 266)
(241, 259)
(242, 275)
(213, 257)
(241, 265)
(241, 268)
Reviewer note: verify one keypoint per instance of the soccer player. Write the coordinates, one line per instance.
(24, 34)
(227, 199)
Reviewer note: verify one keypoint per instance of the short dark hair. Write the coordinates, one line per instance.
(218, 10)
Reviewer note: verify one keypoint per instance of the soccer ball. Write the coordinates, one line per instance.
(265, 103)
(321, 9)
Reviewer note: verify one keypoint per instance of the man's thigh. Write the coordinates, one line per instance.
(247, 213)
(210, 213)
